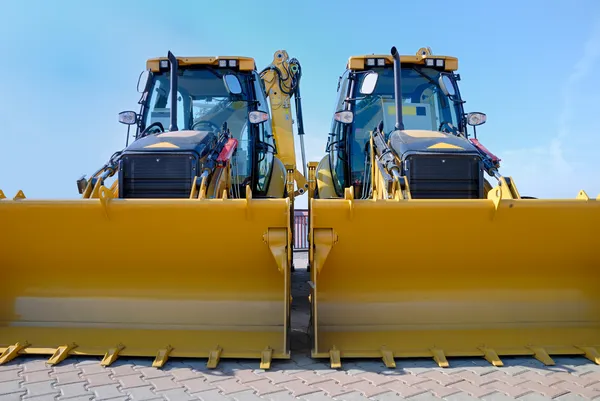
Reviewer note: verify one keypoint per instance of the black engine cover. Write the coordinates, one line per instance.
(164, 165)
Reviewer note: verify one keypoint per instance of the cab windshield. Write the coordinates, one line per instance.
(424, 105)
(203, 102)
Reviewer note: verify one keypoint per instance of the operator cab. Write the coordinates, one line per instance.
(213, 95)
(432, 112)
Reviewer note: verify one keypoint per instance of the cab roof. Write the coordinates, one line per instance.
(358, 63)
(241, 63)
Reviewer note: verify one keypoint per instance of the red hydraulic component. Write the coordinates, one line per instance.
(226, 152)
(479, 146)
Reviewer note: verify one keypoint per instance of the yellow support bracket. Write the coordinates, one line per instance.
(541, 355)
(12, 352)
(2, 196)
(61, 354)
(265, 358)
(111, 356)
(439, 357)
(335, 358)
(324, 239)
(592, 354)
(276, 239)
(162, 357)
(491, 356)
(388, 358)
(214, 357)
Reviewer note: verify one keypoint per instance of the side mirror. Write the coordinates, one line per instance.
(128, 117)
(257, 117)
(368, 84)
(476, 118)
(143, 80)
(232, 83)
(345, 116)
(447, 85)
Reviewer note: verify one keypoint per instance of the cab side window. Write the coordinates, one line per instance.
(337, 139)
(265, 144)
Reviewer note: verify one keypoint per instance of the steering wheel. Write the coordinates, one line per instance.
(157, 125)
(451, 129)
(213, 126)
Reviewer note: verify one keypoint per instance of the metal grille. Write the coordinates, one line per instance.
(445, 177)
(300, 230)
(157, 175)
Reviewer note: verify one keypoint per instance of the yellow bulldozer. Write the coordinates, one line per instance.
(187, 253)
(414, 253)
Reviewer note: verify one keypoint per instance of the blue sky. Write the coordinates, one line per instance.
(69, 67)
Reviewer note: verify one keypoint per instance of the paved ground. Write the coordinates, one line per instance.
(302, 378)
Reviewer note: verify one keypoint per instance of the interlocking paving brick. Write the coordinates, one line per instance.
(355, 396)
(320, 396)
(547, 381)
(497, 396)
(91, 367)
(332, 388)
(131, 381)
(12, 387)
(583, 380)
(376, 379)
(310, 378)
(571, 397)
(12, 396)
(197, 385)
(37, 376)
(247, 395)
(8, 375)
(510, 390)
(282, 396)
(474, 378)
(438, 389)
(366, 388)
(142, 393)
(65, 367)
(40, 388)
(164, 383)
(73, 390)
(471, 389)
(78, 398)
(298, 388)
(151, 373)
(177, 394)
(545, 390)
(411, 379)
(587, 392)
(184, 373)
(264, 386)
(442, 378)
(100, 379)
(343, 378)
(213, 395)
(231, 386)
(108, 391)
(534, 397)
(69, 377)
(36, 365)
(404, 389)
(461, 397)
(124, 370)
(506, 378)
(278, 377)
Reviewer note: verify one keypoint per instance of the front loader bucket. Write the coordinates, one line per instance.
(439, 278)
(160, 278)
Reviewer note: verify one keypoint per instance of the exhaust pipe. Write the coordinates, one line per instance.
(397, 89)
(174, 65)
